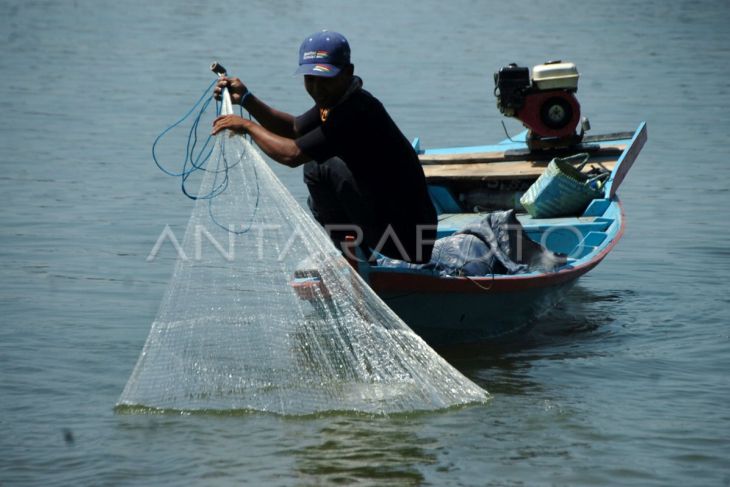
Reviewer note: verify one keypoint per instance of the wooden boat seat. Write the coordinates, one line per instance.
(496, 171)
(506, 165)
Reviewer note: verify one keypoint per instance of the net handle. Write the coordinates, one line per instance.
(227, 106)
(218, 69)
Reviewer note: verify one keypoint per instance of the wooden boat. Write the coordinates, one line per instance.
(447, 310)
(466, 182)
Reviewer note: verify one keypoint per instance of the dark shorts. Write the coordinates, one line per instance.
(336, 200)
(344, 208)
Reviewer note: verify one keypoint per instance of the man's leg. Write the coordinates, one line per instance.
(336, 199)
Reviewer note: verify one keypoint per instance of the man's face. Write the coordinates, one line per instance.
(327, 91)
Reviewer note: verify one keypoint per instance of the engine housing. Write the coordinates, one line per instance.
(544, 102)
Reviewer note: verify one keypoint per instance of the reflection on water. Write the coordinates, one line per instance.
(586, 314)
(350, 450)
(575, 328)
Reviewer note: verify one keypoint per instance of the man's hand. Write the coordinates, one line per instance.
(281, 149)
(230, 122)
(236, 89)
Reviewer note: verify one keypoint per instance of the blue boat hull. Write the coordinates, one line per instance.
(450, 319)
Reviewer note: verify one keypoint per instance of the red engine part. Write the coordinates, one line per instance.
(553, 113)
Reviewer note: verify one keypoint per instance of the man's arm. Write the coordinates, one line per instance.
(273, 120)
(281, 149)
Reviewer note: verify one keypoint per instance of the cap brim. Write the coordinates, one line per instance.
(319, 69)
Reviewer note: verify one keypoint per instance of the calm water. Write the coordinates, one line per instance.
(626, 383)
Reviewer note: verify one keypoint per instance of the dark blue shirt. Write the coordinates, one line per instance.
(382, 161)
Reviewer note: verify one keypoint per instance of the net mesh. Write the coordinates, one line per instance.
(232, 333)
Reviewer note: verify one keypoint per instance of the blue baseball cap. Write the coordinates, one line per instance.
(323, 54)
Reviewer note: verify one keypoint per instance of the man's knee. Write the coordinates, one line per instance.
(311, 172)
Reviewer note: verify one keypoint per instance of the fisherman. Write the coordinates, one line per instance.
(363, 175)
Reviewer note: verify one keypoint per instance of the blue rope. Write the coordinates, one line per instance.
(193, 132)
(197, 159)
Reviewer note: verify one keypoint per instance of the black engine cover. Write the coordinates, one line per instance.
(511, 84)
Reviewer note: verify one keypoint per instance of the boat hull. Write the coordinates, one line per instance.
(453, 319)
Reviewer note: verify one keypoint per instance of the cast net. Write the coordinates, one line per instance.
(264, 314)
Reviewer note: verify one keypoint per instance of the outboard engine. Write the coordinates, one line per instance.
(545, 103)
